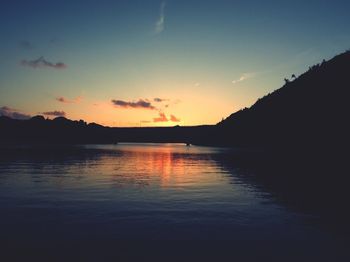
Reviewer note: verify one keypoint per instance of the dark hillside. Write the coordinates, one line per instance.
(308, 111)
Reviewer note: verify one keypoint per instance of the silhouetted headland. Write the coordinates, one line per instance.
(307, 111)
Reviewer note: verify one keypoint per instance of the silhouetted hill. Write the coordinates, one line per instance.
(304, 126)
(59, 130)
(310, 110)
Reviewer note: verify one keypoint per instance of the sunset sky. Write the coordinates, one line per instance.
(158, 63)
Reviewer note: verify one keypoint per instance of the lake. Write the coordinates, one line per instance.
(150, 200)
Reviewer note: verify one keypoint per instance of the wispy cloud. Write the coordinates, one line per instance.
(243, 77)
(13, 113)
(26, 45)
(68, 101)
(54, 113)
(143, 104)
(162, 118)
(159, 100)
(174, 118)
(157, 103)
(160, 23)
(42, 63)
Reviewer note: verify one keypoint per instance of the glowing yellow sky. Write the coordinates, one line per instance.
(207, 61)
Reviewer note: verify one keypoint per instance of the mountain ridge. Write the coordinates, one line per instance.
(300, 107)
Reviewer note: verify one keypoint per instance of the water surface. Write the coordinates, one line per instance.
(62, 199)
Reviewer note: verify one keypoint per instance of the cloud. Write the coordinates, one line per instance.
(174, 118)
(159, 100)
(42, 63)
(54, 113)
(160, 23)
(139, 104)
(162, 118)
(26, 45)
(13, 113)
(243, 77)
(68, 101)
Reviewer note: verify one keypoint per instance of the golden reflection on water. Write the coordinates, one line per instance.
(175, 166)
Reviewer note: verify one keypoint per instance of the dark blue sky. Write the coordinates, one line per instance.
(197, 55)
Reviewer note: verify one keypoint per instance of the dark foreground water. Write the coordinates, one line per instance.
(166, 202)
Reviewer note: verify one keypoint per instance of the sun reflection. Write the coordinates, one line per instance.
(165, 166)
(168, 166)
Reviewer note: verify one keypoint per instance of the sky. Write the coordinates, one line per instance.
(158, 63)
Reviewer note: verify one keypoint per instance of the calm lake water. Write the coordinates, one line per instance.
(98, 200)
